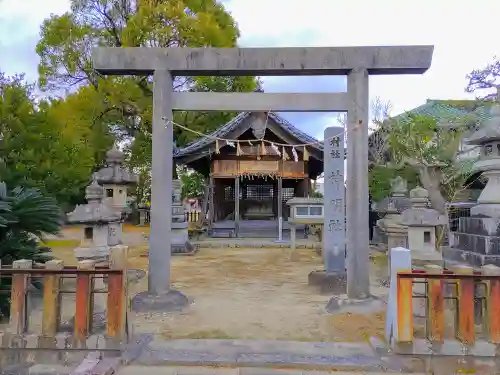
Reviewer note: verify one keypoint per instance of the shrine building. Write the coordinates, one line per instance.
(250, 179)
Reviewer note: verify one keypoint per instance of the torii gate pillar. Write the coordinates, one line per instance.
(164, 63)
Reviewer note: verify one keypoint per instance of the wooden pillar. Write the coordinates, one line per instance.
(492, 318)
(84, 303)
(280, 208)
(18, 306)
(211, 207)
(237, 205)
(51, 299)
(116, 324)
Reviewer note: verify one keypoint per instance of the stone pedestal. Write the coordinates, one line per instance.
(477, 240)
(142, 216)
(115, 231)
(180, 239)
(476, 243)
(96, 253)
(328, 283)
(180, 236)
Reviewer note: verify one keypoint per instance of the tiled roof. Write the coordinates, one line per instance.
(234, 123)
(450, 110)
(446, 111)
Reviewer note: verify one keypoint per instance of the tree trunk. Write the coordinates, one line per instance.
(430, 178)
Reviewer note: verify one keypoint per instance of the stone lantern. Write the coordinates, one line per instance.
(422, 223)
(116, 180)
(102, 225)
(389, 230)
(477, 240)
(488, 138)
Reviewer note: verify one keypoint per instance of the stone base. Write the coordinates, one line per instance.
(342, 304)
(328, 283)
(183, 248)
(170, 302)
(100, 253)
(459, 256)
(423, 258)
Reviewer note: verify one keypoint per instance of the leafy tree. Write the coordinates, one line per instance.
(25, 216)
(192, 182)
(485, 80)
(418, 144)
(42, 145)
(124, 104)
(380, 177)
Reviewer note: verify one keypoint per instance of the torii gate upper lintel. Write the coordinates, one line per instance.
(355, 62)
(284, 61)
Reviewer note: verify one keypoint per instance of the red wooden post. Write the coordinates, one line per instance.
(466, 322)
(405, 310)
(492, 318)
(18, 309)
(83, 314)
(117, 294)
(435, 305)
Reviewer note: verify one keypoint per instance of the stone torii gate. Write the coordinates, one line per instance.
(164, 63)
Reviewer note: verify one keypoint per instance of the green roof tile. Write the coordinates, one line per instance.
(443, 110)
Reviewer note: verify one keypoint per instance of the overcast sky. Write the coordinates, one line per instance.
(464, 33)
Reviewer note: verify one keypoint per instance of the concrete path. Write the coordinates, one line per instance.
(168, 370)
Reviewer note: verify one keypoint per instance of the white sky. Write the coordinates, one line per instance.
(464, 33)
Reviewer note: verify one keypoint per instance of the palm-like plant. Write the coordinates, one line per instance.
(25, 216)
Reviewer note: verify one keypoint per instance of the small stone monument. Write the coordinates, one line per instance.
(390, 209)
(422, 223)
(115, 180)
(395, 232)
(180, 235)
(102, 225)
(143, 210)
(477, 240)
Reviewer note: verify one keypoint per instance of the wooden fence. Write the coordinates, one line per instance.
(466, 299)
(86, 274)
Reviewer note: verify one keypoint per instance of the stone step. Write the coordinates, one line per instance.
(261, 353)
(39, 362)
(477, 243)
(470, 258)
(172, 370)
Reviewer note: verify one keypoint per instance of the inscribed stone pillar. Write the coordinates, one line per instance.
(161, 185)
(334, 191)
(357, 212)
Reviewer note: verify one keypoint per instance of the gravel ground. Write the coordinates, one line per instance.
(244, 293)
